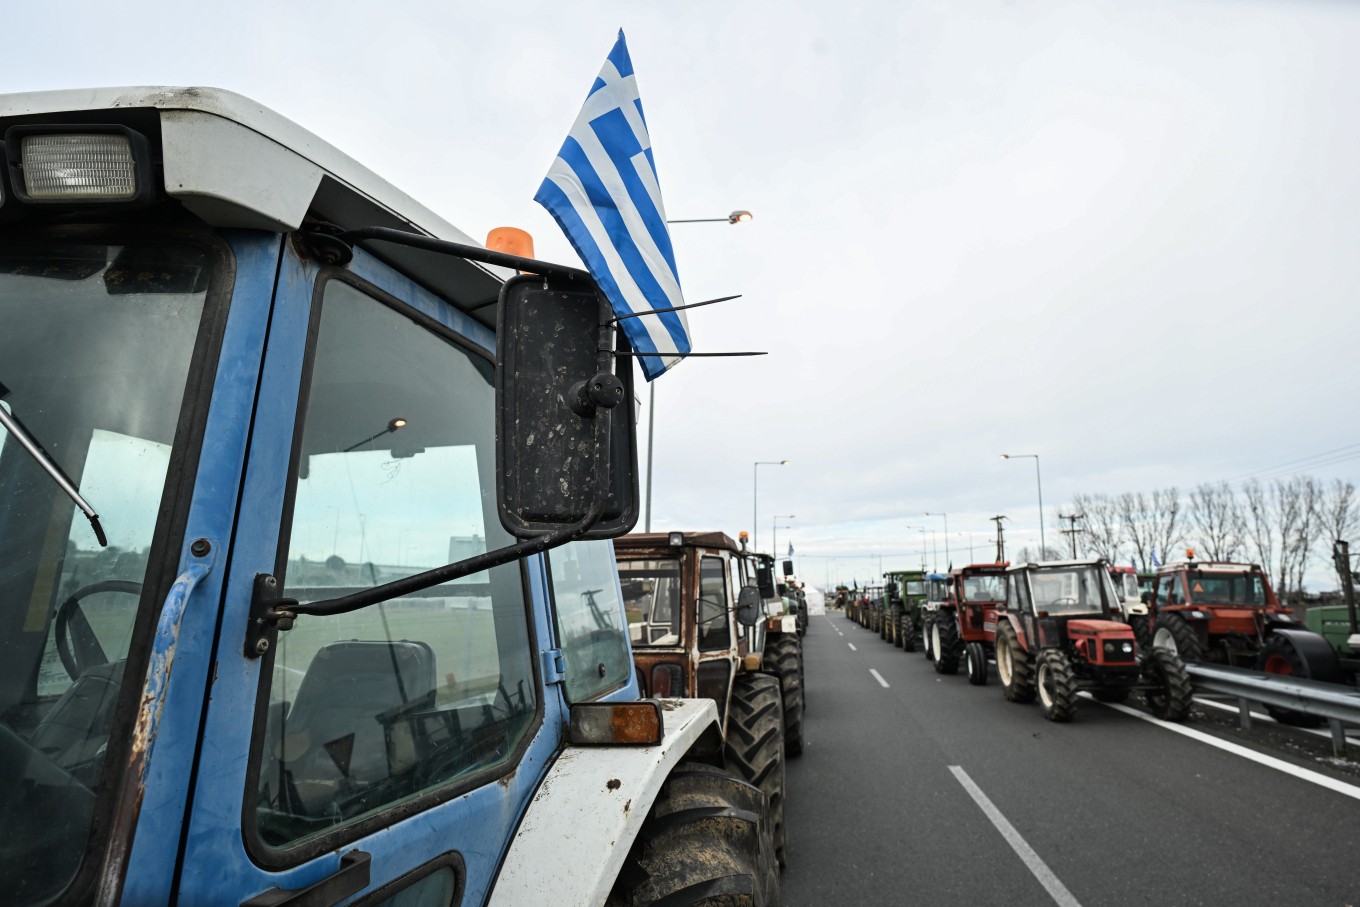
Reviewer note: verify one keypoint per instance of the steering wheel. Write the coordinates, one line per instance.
(77, 646)
(1065, 600)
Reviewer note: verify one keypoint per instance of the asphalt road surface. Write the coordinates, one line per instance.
(920, 788)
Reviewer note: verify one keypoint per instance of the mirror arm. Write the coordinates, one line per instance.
(270, 612)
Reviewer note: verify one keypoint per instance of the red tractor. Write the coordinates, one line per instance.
(965, 625)
(1059, 634)
(1227, 613)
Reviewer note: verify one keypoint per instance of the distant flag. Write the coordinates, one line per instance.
(603, 192)
(1156, 561)
(790, 554)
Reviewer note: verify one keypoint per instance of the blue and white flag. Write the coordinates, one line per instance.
(1156, 561)
(790, 554)
(603, 192)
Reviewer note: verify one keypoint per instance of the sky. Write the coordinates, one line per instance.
(1121, 236)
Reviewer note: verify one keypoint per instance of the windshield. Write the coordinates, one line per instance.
(916, 587)
(94, 357)
(651, 599)
(985, 588)
(1243, 588)
(1067, 590)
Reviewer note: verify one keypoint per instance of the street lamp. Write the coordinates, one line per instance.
(947, 558)
(736, 217)
(755, 498)
(1040, 483)
(774, 545)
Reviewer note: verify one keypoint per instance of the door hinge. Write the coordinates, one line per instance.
(554, 666)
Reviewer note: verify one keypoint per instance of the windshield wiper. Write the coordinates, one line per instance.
(35, 450)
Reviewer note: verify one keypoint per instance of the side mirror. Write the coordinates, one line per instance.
(566, 432)
(788, 568)
(749, 602)
(765, 579)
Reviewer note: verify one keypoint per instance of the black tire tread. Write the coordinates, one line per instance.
(1063, 687)
(951, 643)
(754, 748)
(783, 658)
(1021, 687)
(1173, 701)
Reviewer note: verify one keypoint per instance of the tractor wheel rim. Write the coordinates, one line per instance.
(1164, 640)
(1278, 664)
(1003, 663)
(1045, 682)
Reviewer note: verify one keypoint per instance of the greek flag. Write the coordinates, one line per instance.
(790, 554)
(1156, 561)
(603, 192)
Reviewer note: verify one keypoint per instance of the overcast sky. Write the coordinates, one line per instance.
(1120, 235)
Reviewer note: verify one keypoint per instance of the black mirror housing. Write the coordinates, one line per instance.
(749, 601)
(765, 580)
(566, 431)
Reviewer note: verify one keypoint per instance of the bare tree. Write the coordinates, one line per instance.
(1340, 515)
(1135, 515)
(1301, 500)
(1104, 529)
(1260, 525)
(1166, 521)
(1219, 525)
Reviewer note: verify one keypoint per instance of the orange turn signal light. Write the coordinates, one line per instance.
(616, 723)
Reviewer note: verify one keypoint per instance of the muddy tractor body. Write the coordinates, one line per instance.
(964, 630)
(689, 609)
(1061, 633)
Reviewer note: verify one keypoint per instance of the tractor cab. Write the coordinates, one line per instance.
(906, 607)
(965, 624)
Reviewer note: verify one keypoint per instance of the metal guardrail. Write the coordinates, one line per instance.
(1338, 704)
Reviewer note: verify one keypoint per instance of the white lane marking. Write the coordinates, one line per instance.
(1289, 768)
(879, 678)
(1256, 716)
(1056, 889)
(852, 647)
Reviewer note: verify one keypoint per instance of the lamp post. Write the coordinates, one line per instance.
(774, 545)
(947, 558)
(1038, 480)
(755, 498)
(736, 217)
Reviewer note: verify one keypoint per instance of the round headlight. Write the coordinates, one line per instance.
(1126, 648)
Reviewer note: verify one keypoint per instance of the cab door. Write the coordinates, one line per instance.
(385, 753)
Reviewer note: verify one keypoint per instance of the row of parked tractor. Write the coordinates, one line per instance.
(708, 619)
(1055, 629)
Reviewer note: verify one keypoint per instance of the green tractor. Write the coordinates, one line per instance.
(905, 591)
(1337, 623)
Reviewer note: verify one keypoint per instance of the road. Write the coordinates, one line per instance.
(919, 788)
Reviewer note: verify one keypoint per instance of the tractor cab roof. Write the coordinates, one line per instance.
(980, 568)
(232, 162)
(652, 541)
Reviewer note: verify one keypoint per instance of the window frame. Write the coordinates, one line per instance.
(628, 675)
(263, 854)
(726, 606)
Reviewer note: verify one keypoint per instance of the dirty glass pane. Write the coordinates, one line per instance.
(395, 477)
(715, 631)
(651, 599)
(95, 349)
(586, 597)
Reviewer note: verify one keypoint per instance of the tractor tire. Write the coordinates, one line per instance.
(1056, 685)
(975, 656)
(947, 644)
(1172, 702)
(1175, 634)
(907, 633)
(927, 636)
(707, 840)
(882, 625)
(754, 748)
(896, 632)
(1014, 666)
(1142, 631)
(1278, 656)
(784, 659)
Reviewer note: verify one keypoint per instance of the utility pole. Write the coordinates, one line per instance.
(1000, 538)
(1072, 530)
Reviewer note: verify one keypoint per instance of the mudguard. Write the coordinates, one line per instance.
(589, 808)
(1319, 658)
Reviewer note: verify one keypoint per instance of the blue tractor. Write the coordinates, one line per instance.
(305, 581)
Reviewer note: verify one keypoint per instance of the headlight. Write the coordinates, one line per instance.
(1126, 648)
(78, 164)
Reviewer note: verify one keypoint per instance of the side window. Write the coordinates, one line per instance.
(395, 467)
(1168, 591)
(585, 588)
(714, 625)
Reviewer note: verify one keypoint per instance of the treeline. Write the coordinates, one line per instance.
(1284, 525)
